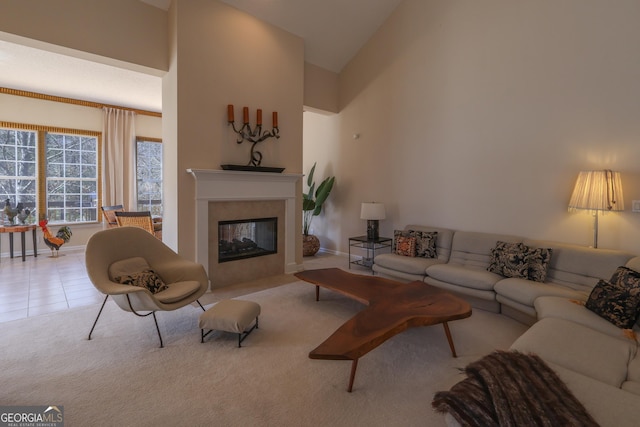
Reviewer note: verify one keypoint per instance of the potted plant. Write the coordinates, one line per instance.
(312, 202)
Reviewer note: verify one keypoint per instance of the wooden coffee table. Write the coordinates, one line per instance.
(392, 308)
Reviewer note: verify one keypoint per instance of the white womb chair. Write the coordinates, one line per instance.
(187, 280)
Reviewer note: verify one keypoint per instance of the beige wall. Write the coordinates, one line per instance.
(320, 88)
(222, 56)
(479, 116)
(127, 33)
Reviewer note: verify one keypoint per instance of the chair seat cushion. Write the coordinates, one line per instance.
(178, 291)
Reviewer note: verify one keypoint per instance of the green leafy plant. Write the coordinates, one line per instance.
(313, 199)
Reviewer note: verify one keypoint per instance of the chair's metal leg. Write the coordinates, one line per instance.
(97, 317)
(159, 336)
(145, 315)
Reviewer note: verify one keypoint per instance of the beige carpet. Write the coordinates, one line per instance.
(122, 378)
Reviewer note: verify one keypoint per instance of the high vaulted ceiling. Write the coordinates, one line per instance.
(333, 32)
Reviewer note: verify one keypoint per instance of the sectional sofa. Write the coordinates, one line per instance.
(597, 360)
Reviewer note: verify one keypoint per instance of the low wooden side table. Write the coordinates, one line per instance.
(22, 229)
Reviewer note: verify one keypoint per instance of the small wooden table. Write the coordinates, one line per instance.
(20, 229)
(392, 308)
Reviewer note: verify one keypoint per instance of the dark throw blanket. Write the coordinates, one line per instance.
(512, 389)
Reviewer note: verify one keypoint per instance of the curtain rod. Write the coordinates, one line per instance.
(45, 97)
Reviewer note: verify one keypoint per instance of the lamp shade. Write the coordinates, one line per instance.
(597, 191)
(372, 211)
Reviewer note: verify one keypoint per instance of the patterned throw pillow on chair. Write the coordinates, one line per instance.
(406, 246)
(145, 279)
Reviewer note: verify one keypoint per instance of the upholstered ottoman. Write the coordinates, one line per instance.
(230, 316)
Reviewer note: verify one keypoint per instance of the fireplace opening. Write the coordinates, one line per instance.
(247, 238)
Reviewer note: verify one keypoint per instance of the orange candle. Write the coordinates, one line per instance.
(245, 115)
(275, 119)
(259, 117)
(230, 113)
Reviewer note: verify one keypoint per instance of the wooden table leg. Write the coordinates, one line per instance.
(352, 377)
(35, 245)
(446, 331)
(317, 293)
(24, 250)
(11, 244)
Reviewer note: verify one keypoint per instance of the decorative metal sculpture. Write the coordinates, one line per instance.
(255, 135)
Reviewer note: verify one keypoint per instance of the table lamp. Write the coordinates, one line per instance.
(372, 212)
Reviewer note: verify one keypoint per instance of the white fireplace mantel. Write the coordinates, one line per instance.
(214, 185)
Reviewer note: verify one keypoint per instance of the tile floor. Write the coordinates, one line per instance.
(44, 284)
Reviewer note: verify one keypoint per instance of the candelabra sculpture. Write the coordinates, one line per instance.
(255, 135)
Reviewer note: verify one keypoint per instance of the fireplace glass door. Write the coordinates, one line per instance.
(247, 238)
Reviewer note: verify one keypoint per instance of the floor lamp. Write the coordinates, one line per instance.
(597, 191)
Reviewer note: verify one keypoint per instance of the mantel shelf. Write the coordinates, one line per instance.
(212, 174)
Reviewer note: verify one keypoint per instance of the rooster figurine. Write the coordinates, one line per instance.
(11, 212)
(54, 242)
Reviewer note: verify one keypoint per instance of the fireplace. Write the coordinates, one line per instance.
(247, 238)
(234, 195)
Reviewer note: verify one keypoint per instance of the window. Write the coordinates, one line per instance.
(18, 168)
(149, 175)
(52, 172)
(72, 178)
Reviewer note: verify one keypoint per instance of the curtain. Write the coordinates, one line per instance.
(119, 154)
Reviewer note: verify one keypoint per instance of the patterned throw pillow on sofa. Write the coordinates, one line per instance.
(396, 234)
(406, 246)
(615, 303)
(509, 260)
(538, 261)
(425, 243)
(624, 276)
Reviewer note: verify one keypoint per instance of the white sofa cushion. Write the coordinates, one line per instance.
(579, 267)
(526, 291)
(633, 375)
(410, 265)
(565, 308)
(609, 406)
(464, 276)
(580, 349)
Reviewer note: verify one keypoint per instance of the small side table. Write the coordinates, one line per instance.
(370, 246)
(20, 229)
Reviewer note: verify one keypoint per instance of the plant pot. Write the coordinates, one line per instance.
(310, 245)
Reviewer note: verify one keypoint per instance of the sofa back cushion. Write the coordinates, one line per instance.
(443, 240)
(473, 249)
(580, 267)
